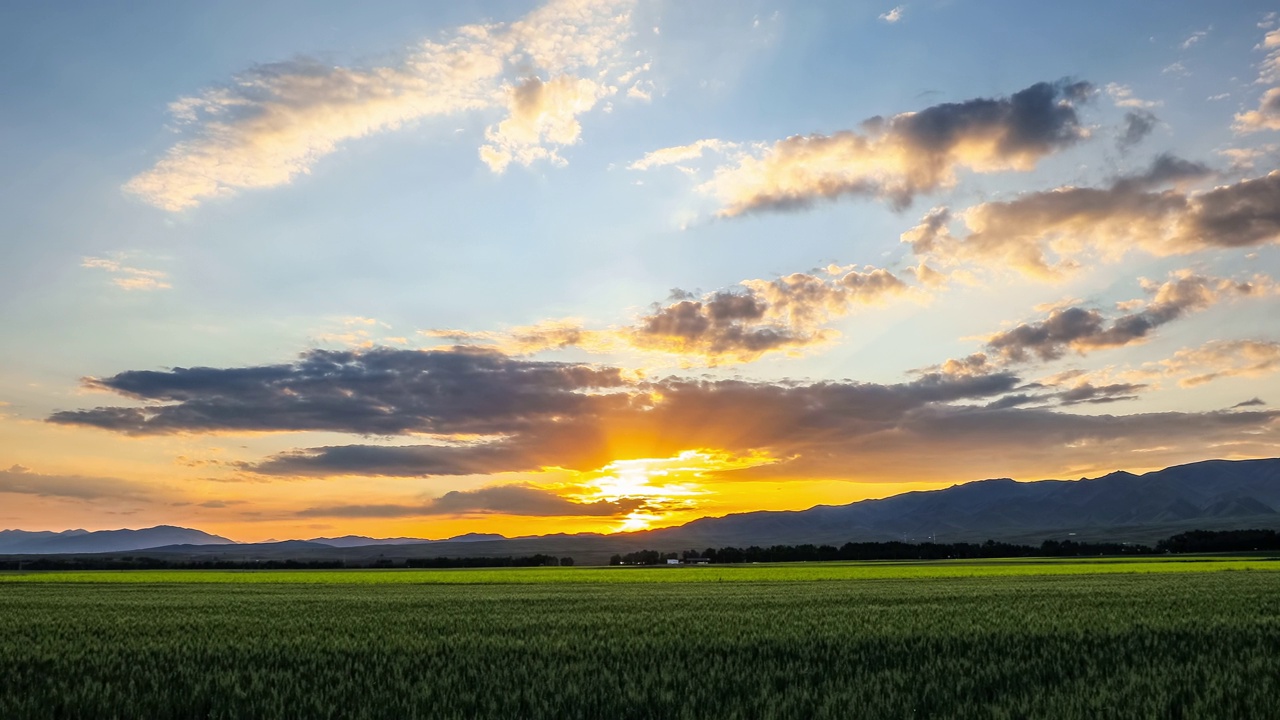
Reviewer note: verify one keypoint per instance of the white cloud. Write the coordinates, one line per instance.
(1122, 96)
(681, 153)
(541, 117)
(893, 15)
(1195, 37)
(1267, 116)
(1223, 358)
(275, 121)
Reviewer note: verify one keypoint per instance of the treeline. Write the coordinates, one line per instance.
(151, 563)
(475, 562)
(1196, 541)
(1206, 541)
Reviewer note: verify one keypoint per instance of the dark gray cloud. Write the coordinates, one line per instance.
(1165, 170)
(1253, 402)
(732, 414)
(1240, 215)
(1037, 120)
(1084, 330)
(377, 392)
(1100, 394)
(1138, 124)
(762, 315)
(935, 423)
(499, 499)
(724, 323)
(837, 437)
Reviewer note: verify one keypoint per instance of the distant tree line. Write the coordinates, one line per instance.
(1196, 541)
(151, 563)
(1207, 541)
(472, 562)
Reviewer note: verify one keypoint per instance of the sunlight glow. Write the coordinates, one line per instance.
(665, 485)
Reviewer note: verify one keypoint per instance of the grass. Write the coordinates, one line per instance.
(1057, 639)
(779, 572)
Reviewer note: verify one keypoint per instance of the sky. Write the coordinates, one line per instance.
(292, 270)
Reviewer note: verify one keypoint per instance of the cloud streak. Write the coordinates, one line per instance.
(522, 500)
(274, 122)
(127, 277)
(21, 480)
(1224, 359)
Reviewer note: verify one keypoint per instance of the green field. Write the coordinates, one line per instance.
(1005, 639)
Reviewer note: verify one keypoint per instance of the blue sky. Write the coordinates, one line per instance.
(230, 186)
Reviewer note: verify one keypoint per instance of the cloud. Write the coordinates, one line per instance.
(358, 332)
(126, 277)
(1122, 96)
(893, 15)
(382, 391)
(1137, 126)
(1194, 38)
(1080, 330)
(524, 500)
(1245, 159)
(900, 157)
(21, 480)
(737, 325)
(770, 315)
(1267, 116)
(541, 117)
(1223, 358)
(1254, 402)
(273, 122)
(852, 430)
(490, 414)
(1043, 234)
(1100, 394)
(682, 153)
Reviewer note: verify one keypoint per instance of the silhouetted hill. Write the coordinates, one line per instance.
(1215, 494)
(15, 542)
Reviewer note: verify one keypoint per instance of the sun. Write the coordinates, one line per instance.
(668, 489)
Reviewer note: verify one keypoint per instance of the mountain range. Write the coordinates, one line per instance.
(21, 542)
(1118, 507)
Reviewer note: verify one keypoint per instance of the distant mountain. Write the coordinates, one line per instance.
(21, 542)
(350, 541)
(1215, 494)
(476, 537)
